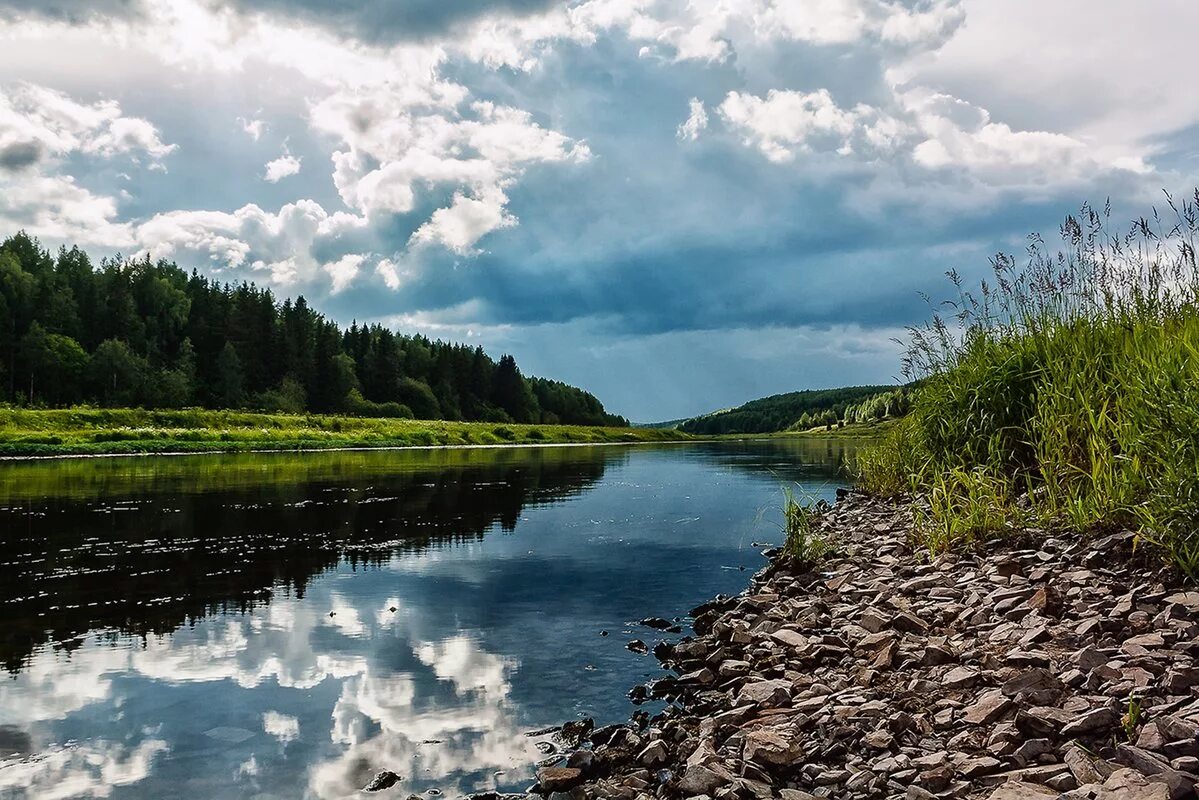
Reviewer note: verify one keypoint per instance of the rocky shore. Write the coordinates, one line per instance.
(1043, 668)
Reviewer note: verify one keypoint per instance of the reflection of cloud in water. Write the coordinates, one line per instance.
(53, 686)
(283, 727)
(458, 746)
(93, 769)
(384, 718)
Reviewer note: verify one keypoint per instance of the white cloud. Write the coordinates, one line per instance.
(467, 219)
(695, 123)
(393, 150)
(254, 128)
(281, 167)
(61, 125)
(935, 132)
(786, 122)
(390, 272)
(39, 128)
(55, 208)
(342, 273)
(251, 243)
(714, 30)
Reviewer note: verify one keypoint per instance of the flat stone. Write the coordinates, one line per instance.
(1019, 790)
(1128, 784)
(991, 707)
(767, 694)
(699, 779)
(1092, 721)
(790, 638)
(908, 623)
(778, 747)
(558, 779)
(960, 678)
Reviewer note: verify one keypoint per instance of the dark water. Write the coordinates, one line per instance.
(284, 626)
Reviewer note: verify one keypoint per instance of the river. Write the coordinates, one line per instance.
(286, 625)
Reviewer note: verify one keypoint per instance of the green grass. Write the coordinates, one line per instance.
(805, 545)
(876, 429)
(1065, 394)
(80, 431)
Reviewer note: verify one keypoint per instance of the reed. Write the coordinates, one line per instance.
(1063, 392)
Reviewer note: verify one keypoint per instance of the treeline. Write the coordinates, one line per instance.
(802, 410)
(886, 405)
(150, 334)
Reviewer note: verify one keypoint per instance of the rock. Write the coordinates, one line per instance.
(657, 623)
(384, 780)
(1096, 720)
(790, 638)
(774, 746)
(655, 753)
(908, 623)
(699, 779)
(1127, 784)
(1036, 686)
(637, 646)
(1047, 601)
(558, 779)
(795, 794)
(960, 678)
(936, 779)
(768, 694)
(1019, 790)
(582, 760)
(977, 767)
(1180, 784)
(989, 708)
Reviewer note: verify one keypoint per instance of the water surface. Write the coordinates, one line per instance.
(285, 625)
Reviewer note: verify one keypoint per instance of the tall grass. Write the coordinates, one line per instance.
(804, 543)
(1065, 390)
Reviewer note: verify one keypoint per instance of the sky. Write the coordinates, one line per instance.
(677, 205)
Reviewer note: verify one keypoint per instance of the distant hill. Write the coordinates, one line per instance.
(803, 410)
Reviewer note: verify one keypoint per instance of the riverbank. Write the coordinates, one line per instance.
(1035, 667)
(88, 431)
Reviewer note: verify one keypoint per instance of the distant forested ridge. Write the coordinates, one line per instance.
(143, 333)
(804, 410)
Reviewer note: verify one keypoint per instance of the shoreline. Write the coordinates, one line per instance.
(344, 449)
(1036, 668)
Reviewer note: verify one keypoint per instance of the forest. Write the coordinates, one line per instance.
(805, 410)
(142, 333)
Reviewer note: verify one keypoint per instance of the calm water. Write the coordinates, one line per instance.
(284, 626)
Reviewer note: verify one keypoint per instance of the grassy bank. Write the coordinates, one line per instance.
(1065, 394)
(76, 431)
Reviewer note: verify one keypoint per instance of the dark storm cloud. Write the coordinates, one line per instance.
(20, 155)
(392, 20)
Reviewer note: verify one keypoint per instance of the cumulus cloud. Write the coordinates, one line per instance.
(281, 167)
(714, 30)
(934, 131)
(466, 221)
(394, 149)
(252, 243)
(41, 127)
(53, 123)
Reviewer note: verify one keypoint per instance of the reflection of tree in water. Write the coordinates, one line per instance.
(145, 561)
(792, 458)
